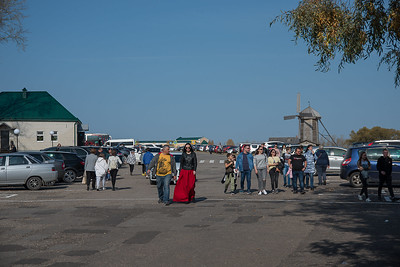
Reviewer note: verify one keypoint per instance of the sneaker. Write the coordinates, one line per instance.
(248, 192)
(324, 182)
(225, 191)
(159, 201)
(368, 200)
(264, 192)
(167, 203)
(232, 192)
(143, 174)
(260, 193)
(104, 188)
(360, 197)
(302, 192)
(312, 188)
(241, 191)
(294, 191)
(276, 191)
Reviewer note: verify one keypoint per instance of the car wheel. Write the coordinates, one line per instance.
(355, 180)
(34, 183)
(69, 176)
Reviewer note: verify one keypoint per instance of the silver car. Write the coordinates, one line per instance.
(22, 169)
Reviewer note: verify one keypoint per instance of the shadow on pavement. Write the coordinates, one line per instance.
(377, 235)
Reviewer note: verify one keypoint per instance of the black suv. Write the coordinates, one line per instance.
(74, 165)
(81, 152)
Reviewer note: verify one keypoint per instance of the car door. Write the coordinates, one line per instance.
(373, 155)
(395, 155)
(336, 156)
(3, 171)
(18, 169)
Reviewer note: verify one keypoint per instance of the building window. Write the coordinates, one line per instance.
(39, 136)
(54, 137)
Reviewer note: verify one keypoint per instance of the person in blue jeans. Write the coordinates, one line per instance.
(310, 169)
(286, 156)
(165, 167)
(298, 164)
(244, 164)
(147, 158)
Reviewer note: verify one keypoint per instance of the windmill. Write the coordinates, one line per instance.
(308, 124)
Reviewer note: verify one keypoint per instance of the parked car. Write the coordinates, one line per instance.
(22, 169)
(177, 157)
(350, 172)
(74, 165)
(41, 157)
(80, 151)
(233, 149)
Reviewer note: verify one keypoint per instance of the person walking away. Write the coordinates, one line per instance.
(165, 168)
(286, 155)
(245, 165)
(229, 173)
(147, 158)
(260, 168)
(113, 162)
(90, 163)
(309, 171)
(364, 166)
(273, 161)
(321, 164)
(184, 189)
(298, 164)
(384, 167)
(101, 169)
(131, 160)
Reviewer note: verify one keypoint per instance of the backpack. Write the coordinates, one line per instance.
(112, 163)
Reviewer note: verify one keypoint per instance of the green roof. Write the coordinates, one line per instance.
(187, 138)
(35, 106)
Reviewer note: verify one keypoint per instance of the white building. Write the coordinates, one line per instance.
(40, 120)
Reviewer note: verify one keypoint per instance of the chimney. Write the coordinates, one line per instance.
(24, 93)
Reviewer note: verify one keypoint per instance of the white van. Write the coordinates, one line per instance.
(129, 143)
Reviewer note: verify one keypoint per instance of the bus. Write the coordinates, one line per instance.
(96, 139)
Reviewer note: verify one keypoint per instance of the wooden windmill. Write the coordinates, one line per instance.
(308, 123)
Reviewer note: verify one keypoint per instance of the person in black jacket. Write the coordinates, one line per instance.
(184, 189)
(384, 167)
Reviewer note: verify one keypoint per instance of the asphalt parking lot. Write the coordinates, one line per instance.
(65, 225)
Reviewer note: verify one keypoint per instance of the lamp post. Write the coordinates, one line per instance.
(16, 133)
(51, 137)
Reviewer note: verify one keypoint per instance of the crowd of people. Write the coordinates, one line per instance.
(297, 169)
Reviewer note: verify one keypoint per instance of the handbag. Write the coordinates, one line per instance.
(84, 179)
(223, 179)
(280, 166)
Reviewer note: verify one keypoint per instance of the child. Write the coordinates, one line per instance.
(229, 173)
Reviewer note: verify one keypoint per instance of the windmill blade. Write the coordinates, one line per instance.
(291, 117)
(298, 103)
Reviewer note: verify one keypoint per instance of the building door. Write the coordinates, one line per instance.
(5, 141)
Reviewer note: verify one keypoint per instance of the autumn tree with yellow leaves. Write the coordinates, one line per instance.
(353, 30)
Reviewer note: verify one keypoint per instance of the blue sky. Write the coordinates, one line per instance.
(164, 69)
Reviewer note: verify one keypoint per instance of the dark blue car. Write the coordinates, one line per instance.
(350, 172)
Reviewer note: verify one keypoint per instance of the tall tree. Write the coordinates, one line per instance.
(230, 142)
(355, 31)
(376, 133)
(11, 17)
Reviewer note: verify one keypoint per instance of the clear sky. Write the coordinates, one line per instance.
(163, 69)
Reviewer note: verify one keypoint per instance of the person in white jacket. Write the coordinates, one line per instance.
(113, 163)
(101, 169)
